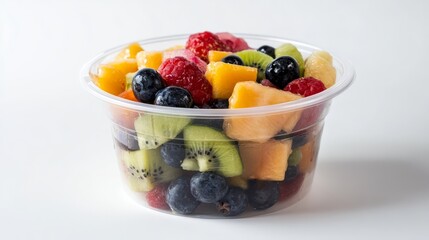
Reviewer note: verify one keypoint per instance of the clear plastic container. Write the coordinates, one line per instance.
(268, 153)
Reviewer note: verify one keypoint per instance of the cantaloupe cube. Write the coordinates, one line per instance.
(124, 65)
(216, 56)
(223, 77)
(129, 51)
(265, 161)
(149, 59)
(259, 128)
(110, 79)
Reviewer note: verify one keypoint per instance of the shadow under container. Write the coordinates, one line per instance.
(270, 152)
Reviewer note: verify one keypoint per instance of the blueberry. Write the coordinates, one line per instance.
(146, 83)
(282, 71)
(174, 97)
(219, 103)
(262, 194)
(291, 173)
(299, 140)
(234, 203)
(270, 51)
(233, 59)
(208, 187)
(173, 152)
(179, 196)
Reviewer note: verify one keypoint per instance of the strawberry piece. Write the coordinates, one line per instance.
(290, 188)
(305, 87)
(180, 72)
(201, 43)
(188, 55)
(235, 43)
(157, 197)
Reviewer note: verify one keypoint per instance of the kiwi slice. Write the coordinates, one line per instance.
(290, 50)
(208, 149)
(146, 168)
(154, 130)
(259, 60)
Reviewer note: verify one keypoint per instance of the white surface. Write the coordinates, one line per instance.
(59, 179)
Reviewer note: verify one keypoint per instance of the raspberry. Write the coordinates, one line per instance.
(202, 43)
(180, 72)
(290, 188)
(305, 86)
(157, 197)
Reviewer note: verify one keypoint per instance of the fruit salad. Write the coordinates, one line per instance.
(224, 166)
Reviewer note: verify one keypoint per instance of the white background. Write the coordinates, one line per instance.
(58, 174)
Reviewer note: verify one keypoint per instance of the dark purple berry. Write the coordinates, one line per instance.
(282, 71)
(233, 59)
(179, 197)
(291, 173)
(173, 96)
(145, 84)
(173, 151)
(234, 203)
(270, 51)
(208, 187)
(219, 103)
(262, 194)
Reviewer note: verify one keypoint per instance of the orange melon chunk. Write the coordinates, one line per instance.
(129, 51)
(259, 128)
(149, 59)
(110, 79)
(124, 65)
(216, 56)
(265, 161)
(223, 77)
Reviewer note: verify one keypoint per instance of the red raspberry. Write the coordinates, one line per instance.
(289, 189)
(156, 197)
(305, 86)
(180, 72)
(202, 43)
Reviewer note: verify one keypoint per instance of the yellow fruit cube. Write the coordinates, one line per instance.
(252, 94)
(110, 79)
(124, 65)
(129, 52)
(223, 77)
(149, 59)
(216, 56)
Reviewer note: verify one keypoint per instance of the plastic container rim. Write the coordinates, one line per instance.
(343, 81)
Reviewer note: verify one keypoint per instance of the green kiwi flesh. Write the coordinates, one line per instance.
(208, 149)
(146, 168)
(154, 130)
(259, 60)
